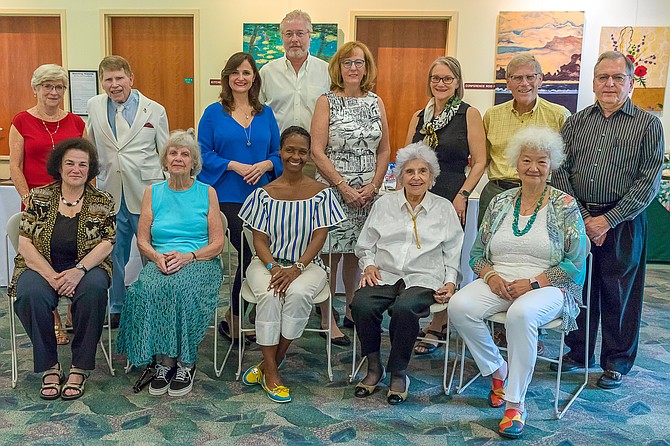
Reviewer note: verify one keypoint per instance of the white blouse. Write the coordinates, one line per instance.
(388, 240)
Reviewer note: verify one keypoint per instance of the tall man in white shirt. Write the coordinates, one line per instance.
(128, 129)
(292, 84)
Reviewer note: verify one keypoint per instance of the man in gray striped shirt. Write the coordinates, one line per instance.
(613, 167)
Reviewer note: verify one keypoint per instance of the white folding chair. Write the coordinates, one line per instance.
(555, 325)
(13, 238)
(247, 295)
(435, 308)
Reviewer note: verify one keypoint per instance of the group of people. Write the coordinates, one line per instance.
(306, 193)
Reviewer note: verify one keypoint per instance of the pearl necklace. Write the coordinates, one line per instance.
(68, 203)
(517, 208)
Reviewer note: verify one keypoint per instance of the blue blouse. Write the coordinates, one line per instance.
(223, 140)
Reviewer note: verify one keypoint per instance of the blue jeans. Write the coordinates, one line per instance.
(126, 228)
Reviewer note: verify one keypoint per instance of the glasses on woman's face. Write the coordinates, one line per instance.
(446, 80)
(50, 87)
(349, 64)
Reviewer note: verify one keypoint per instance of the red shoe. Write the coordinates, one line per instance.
(512, 423)
(496, 396)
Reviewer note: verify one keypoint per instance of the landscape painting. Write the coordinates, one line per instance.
(649, 49)
(263, 41)
(555, 39)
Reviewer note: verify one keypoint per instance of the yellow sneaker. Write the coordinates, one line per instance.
(279, 394)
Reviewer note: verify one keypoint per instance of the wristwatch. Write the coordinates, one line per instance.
(81, 267)
(300, 266)
(534, 284)
(465, 193)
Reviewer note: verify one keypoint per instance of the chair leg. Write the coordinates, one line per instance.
(329, 345)
(107, 351)
(12, 334)
(445, 370)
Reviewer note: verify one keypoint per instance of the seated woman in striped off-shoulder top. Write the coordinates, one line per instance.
(289, 218)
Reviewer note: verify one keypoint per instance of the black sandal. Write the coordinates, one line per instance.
(79, 387)
(429, 346)
(55, 371)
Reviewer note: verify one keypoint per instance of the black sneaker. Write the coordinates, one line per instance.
(161, 381)
(182, 383)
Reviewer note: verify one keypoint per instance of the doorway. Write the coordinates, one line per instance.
(160, 50)
(26, 42)
(403, 47)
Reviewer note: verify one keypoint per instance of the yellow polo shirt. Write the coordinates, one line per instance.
(502, 121)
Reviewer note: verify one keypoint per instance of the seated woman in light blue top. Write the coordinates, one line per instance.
(290, 218)
(168, 309)
(530, 256)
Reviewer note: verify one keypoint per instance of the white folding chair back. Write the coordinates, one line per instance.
(555, 325)
(247, 295)
(13, 238)
(435, 308)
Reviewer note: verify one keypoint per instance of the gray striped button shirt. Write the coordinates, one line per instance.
(615, 159)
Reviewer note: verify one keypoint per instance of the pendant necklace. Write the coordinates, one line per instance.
(68, 203)
(247, 134)
(51, 135)
(517, 208)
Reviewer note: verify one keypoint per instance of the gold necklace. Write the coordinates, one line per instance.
(51, 135)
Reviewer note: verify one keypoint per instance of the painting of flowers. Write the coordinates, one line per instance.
(555, 39)
(263, 41)
(649, 49)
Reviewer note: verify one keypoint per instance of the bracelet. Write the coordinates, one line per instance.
(339, 182)
(271, 265)
(375, 188)
(24, 197)
(300, 266)
(193, 254)
(488, 276)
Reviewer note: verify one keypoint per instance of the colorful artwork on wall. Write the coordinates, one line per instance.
(649, 49)
(263, 41)
(555, 39)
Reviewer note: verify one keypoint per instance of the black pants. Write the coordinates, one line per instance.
(35, 302)
(619, 267)
(235, 225)
(405, 306)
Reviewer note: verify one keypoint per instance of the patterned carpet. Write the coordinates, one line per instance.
(224, 411)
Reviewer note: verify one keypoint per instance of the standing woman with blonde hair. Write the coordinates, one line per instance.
(34, 134)
(350, 147)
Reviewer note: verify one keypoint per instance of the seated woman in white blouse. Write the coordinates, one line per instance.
(409, 250)
(290, 218)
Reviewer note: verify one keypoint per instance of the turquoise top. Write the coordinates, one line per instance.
(180, 217)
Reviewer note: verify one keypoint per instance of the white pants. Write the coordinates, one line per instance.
(470, 306)
(287, 317)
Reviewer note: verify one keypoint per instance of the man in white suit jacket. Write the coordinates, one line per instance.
(128, 130)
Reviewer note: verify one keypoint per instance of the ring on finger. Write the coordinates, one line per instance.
(509, 289)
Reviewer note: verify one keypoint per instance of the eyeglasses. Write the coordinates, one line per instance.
(298, 34)
(58, 88)
(518, 78)
(358, 63)
(617, 78)
(446, 80)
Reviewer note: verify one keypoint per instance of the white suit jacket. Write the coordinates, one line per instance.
(130, 165)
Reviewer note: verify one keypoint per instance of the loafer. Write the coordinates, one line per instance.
(512, 423)
(394, 398)
(496, 396)
(611, 379)
(253, 376)
(363, 390)
(278, 394)
(569, 364)
(347, 323)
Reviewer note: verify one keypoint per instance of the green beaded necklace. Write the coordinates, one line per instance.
(517, 209)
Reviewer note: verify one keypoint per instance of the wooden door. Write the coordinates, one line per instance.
(160, 52)
(26, 42)
(404, 48)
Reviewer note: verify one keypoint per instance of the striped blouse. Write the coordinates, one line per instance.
(290, 223)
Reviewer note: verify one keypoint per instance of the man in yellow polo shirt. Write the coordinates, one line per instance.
(501, 122)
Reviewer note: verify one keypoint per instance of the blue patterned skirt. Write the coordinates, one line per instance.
(169, 314)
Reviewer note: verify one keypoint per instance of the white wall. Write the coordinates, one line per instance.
(221, 29)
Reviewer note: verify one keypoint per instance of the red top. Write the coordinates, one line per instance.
(37, 144)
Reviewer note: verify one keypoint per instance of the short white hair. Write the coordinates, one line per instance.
(187, 140)
(537, 139)
(294, 15)
(49, 73)
(417, 151)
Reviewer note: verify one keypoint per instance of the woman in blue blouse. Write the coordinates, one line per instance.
(239, 140)
(290, 218)
(530, 254)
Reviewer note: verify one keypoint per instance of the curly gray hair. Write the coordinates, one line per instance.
(49, 73)
(183, 138)
(538, 139)
(417, 150)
